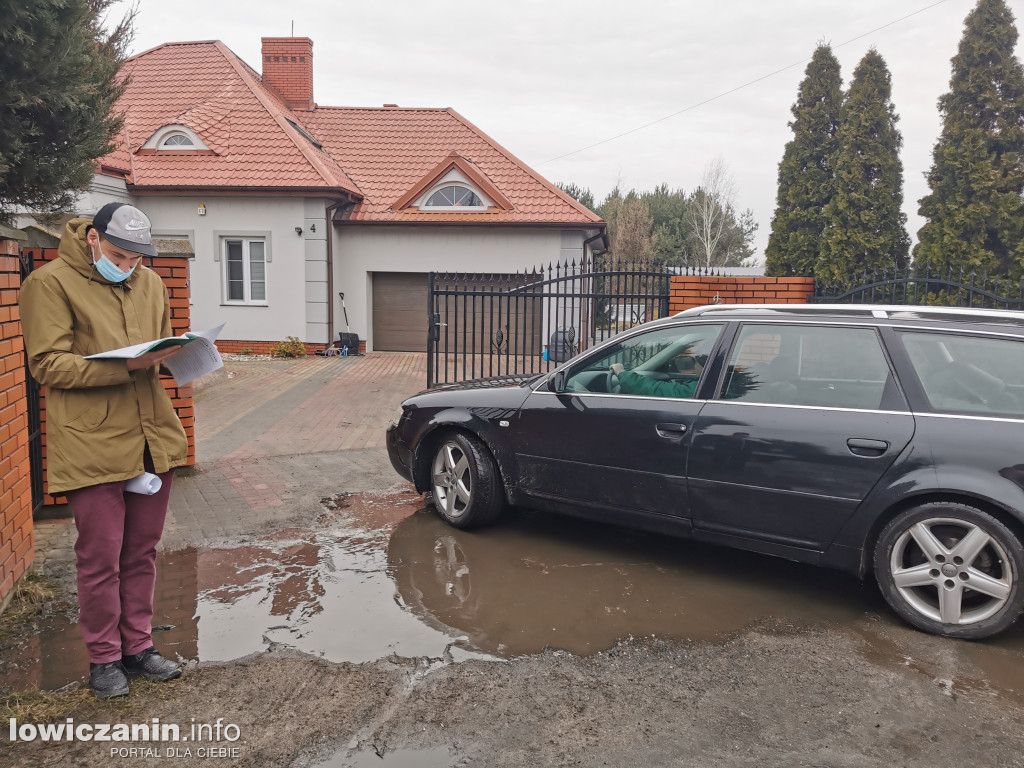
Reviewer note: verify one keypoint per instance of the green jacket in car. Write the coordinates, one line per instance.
(637, 384)
(99, 415)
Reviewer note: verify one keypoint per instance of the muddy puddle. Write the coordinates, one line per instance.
(382, 575)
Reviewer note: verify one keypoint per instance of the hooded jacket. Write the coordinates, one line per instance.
(99, 415)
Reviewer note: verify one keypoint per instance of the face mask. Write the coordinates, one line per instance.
(109, 270)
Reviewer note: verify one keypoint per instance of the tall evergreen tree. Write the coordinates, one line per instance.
(865, 228)
(806, 182)
(974, 211)
(59, 73)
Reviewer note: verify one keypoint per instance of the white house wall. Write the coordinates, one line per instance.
(361, 250)
(295, 272)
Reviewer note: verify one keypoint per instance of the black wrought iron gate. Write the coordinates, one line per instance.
(525, 323)
(35, 427)
(940, 288)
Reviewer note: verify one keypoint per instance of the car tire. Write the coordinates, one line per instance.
(465, 483)
(951, 569)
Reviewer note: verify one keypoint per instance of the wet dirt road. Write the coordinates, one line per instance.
(381, 636)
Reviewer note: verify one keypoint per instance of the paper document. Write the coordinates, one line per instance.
(199, 356)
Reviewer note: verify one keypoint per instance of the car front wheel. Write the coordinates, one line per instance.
(465, 483)
(951, 569)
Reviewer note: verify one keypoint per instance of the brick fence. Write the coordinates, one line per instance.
(696, 290)
(15, 489)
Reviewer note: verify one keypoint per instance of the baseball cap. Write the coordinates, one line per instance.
(126, 227)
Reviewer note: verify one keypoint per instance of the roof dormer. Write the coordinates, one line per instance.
(175, 138)
(455, 185)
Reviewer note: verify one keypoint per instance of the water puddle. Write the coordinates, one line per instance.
(383, 576)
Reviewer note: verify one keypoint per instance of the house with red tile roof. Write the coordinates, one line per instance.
(308, 220)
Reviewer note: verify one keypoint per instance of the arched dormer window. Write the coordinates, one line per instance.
(454, 196)
(171, 138)
(178, 140)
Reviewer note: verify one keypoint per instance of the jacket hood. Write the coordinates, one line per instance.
(74, 249)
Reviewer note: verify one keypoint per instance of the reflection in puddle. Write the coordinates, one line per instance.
(387, 577)
(541, 582)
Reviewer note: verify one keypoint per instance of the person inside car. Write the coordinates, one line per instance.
(633, 383)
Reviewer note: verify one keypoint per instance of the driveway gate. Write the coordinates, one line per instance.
(520, 324)
(35, 428)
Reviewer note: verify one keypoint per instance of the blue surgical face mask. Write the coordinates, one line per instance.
(109, 270)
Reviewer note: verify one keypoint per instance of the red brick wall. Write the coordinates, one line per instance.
(288, 69)
(696, 290)
(16, 551)
(174, 271)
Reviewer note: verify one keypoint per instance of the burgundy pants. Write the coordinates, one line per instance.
(116, 555)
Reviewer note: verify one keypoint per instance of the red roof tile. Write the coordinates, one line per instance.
(388, 151)
(378, 156)
(207, 88)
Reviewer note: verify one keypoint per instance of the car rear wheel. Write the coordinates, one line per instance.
(951, 569)
(465, 482)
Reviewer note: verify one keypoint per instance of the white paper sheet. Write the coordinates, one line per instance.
(147, 484)
(198, 357)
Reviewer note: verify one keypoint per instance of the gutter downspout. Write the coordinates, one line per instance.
(328, 211)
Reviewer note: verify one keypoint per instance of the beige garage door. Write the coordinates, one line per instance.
(400, 311)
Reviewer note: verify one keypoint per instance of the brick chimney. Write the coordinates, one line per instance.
(288, 69)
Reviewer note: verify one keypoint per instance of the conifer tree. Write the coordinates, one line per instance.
(974, 211)
(806, 183)
(59, 71)
(865, 228)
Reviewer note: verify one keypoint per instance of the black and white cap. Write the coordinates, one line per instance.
(126, 227)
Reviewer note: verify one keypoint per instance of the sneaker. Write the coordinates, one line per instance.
(151, 665)
(108, 680)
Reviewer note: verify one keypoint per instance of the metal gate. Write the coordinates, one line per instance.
(35, 426)
(525, 323)
(954, 288)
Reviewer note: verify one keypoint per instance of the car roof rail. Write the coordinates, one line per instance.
(880, 311)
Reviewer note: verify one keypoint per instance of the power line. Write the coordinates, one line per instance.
(738, 87)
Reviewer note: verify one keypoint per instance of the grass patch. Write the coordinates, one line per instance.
(51, 706)
(44, 706)
(31, 594)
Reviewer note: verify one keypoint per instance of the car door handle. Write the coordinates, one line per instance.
(671, 431)
(863, 447)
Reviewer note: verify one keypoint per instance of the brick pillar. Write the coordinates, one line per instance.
(16, 551)
(174, 272)
(689, 291)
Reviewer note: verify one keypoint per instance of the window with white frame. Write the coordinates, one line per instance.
(453, 196)
(245, 270)
(175, 137)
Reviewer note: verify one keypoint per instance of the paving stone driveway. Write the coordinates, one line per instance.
(274, 437)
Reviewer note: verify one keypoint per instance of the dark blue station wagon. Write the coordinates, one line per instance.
(875, 439)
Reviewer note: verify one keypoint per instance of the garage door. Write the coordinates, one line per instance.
(400, 311)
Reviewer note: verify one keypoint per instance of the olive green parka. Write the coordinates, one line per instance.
(99, 415)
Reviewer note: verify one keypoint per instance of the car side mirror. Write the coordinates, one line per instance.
(557, 382)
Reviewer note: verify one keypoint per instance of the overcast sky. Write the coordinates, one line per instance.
(546, 78)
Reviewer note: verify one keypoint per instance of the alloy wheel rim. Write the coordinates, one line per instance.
(452, 480)
(951, 571)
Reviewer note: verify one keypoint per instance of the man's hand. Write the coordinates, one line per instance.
(150, 359)
(617, 368)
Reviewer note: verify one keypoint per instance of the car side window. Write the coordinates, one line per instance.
(963, 373)
(829, 367)
(666, 362)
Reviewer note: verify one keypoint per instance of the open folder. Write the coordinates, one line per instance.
(198, 358)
